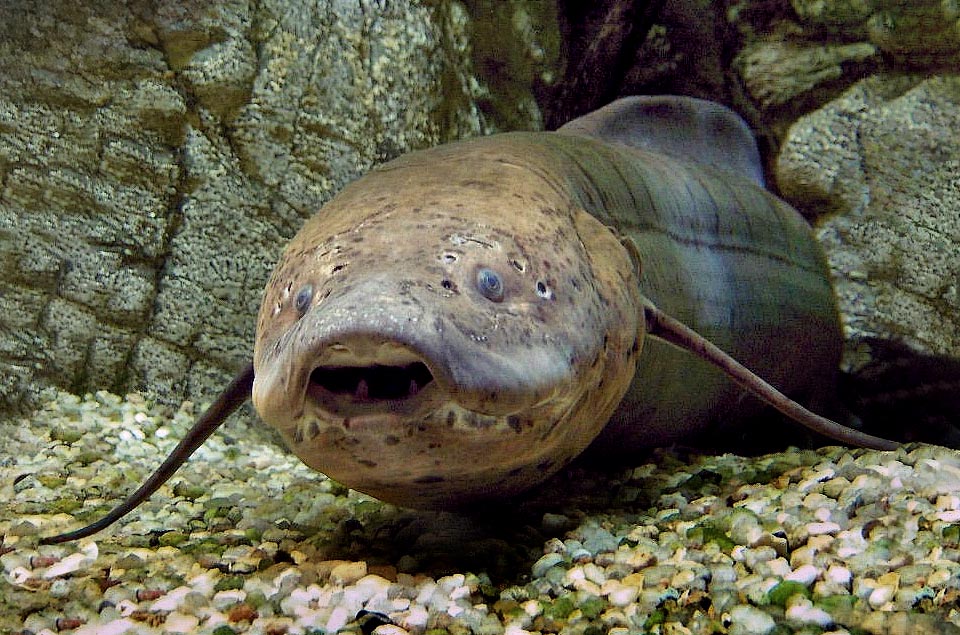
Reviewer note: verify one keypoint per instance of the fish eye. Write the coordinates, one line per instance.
(490, 285)
(303, 299)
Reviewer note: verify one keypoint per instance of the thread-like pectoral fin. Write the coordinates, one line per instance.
(661, 325)
(229, 400)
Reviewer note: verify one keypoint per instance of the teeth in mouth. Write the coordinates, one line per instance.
(374, 382)
(363, 390)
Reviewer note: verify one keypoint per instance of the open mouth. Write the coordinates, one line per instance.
(372, 383)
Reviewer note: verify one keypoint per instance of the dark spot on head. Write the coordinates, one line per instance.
(514, 422)
(303, 299)
(448, 285)
(519, 266)
(313, 429)
(451, 418)
(336, 268)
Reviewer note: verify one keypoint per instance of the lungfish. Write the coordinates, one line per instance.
(463, 321)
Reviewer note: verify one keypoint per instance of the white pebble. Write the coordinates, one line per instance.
(804, 612)
(804, 574)
(532, 608)
(171, 600)
(749, 620)
(114, 627)
(85, 557)
(839, 574)
(623, 595)
(226, 599)
(19, 575)
(180, 623)
(415, 619)
(338, 619)
(818, 529)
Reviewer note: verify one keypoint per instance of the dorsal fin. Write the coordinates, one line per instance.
(683, 127)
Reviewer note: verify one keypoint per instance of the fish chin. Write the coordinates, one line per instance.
(447, 457)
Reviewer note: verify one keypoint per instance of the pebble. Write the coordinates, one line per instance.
(749, 620)
(874, 527)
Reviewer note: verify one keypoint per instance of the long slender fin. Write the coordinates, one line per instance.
(692, 130)
(229, 400)
(661, 325)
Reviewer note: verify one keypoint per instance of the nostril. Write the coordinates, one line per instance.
(374, 382)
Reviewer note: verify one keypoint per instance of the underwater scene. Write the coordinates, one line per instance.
(515, 317)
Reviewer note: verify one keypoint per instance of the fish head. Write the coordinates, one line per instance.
(445, 331)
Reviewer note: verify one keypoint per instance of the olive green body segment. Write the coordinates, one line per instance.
(723, 256)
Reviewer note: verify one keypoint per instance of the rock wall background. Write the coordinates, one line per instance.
(154, 158)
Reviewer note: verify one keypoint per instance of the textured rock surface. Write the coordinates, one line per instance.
(154, 160)
(883, 160)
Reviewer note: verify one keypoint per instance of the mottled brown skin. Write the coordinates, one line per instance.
(524, 385)
(520, 386)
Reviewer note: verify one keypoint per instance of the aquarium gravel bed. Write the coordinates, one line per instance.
(247, 540)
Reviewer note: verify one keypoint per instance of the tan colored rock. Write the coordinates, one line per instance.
(883, 159)
(154, 160)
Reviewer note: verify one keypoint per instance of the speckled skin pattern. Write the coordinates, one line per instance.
(388, 359)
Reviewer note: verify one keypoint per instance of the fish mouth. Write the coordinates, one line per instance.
(386, 378)
(356, 389)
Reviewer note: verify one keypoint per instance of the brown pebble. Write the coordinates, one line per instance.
(68, 623)
(242, 612)
(42, 561)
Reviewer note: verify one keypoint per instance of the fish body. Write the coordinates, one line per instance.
(463, 321)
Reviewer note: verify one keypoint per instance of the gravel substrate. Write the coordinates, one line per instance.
(245, 539)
